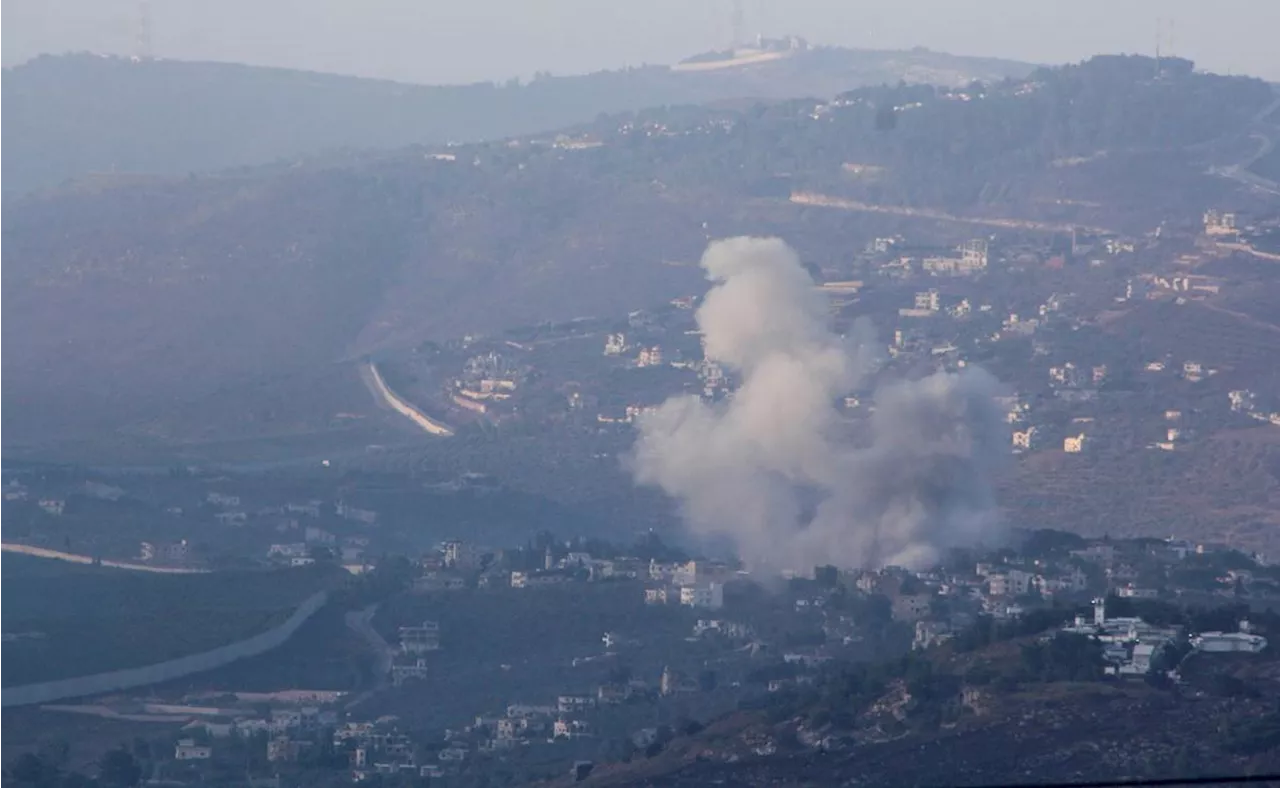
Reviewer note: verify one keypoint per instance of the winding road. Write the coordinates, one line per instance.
(1265, 134)
(361, 623)
(382, 392)
(76, 558)
(828, 201)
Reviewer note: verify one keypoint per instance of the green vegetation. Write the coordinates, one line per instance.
(1063, 657)
(117, 768)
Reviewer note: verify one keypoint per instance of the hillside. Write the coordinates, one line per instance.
(233, 305)
(991, 717)
(70, 620)
(172, 117)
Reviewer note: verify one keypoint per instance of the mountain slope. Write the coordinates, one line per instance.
(131, 298)
(77, 114)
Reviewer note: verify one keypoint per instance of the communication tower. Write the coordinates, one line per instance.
(142, 41)
(736, 24)
(1164, 41)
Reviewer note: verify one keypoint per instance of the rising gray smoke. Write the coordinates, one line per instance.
(776, 470)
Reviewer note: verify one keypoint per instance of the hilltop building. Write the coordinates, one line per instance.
(1224, 642)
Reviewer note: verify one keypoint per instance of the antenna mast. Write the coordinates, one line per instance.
(736, 22)
(142, 44)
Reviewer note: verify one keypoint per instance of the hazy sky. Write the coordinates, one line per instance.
(471, 40)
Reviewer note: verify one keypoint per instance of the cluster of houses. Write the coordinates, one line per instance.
(524, 724)
(349, 550)
(456, 565)
(698, 584)
(574, 565)
(291, 724)
(379, 748)
(1132, 646)
(940, 603)
(415, 642)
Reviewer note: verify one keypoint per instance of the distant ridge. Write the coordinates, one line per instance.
(73, 115)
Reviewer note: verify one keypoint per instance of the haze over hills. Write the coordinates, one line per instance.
(851, 438)
(160, 299)
(173, 117)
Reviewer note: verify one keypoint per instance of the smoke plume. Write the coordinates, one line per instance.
(778, 471)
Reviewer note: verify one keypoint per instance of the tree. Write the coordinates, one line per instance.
(119, 769)
(30, 768)
(1064, 657)
(55, 753)
(141, 748)
(886, 117)
(826, 576)
(620, 674)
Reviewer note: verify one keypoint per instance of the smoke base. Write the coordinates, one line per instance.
(777, 471)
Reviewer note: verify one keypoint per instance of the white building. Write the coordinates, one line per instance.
(710, 596)
(1141, 657)
(1066, 375)
(615, 344)
(314, 535)
(1242, 401)
(570, 729)
(402, 673)
(931, 633)
(222, 499)
(188, 750)
(657, 596)
(1024, 440)
(649, 357)
(419, 640)
(1130, 591)
(973, 255)
(456, 553)
(347, 512)
(927, 301)
(1216, 223)
(1015, 582)
(291, 550)
(524, 711)
(1223, 642)
(568, 704)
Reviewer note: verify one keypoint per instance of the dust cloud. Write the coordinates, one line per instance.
(776, 468)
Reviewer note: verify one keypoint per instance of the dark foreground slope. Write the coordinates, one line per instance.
(74, 115)
(1000, 716)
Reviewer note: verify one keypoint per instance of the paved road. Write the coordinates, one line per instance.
(75, 558)
(1265, 134)
(361, 623)
(373, 379)
(828, 201)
